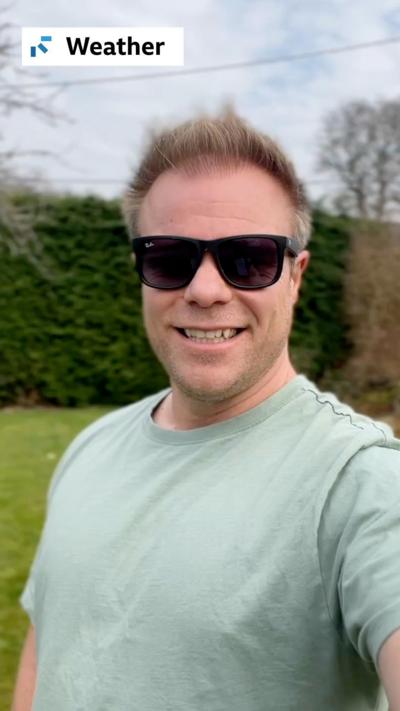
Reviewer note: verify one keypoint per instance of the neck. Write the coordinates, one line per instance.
(181, 412)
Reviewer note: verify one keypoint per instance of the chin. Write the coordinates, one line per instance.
(208, 392)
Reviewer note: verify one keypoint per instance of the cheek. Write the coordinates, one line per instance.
(264, 305)
(272, 313)
(150, 310)
(152, 303)
(156, 305)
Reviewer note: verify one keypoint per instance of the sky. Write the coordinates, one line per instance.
(95, 144)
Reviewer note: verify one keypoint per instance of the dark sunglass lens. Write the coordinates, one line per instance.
(168, 263)
(249, 261)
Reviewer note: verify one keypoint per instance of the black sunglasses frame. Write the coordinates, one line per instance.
(283, 244)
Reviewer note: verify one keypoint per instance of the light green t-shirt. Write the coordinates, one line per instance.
(250, 565)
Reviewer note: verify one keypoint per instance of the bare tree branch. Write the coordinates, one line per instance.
(360, 147)
(17, 233)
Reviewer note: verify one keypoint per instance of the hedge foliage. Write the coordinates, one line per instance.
(78, 338)
(319, 342)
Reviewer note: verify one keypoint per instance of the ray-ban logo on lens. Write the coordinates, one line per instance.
(149, 244)
(41, 46)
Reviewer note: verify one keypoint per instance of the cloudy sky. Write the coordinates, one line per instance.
(96, 145)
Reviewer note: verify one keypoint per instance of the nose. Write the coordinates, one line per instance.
(207, 286)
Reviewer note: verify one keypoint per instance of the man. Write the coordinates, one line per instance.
(231, 543)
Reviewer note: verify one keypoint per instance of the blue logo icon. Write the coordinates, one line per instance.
(41, 46)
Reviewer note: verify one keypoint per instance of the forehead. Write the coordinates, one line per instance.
(222, 202)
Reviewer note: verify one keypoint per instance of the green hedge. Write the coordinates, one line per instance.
(78, 338)
(319, 341)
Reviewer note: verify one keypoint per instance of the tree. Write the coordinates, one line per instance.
(372, 304)
(360, 148)
(17, 232)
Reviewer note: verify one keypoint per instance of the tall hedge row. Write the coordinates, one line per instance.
(319, 342)
(77, 338)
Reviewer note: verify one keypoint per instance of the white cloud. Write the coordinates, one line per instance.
(287, 100)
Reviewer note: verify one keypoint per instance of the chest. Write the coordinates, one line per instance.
(192, 542)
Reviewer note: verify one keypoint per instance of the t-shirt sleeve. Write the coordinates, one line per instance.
(27, 598)
(78, 445)
(359, 549)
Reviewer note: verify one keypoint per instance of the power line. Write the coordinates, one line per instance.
(208, 69)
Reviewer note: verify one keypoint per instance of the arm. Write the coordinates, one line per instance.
(389, 669)
(26, 678)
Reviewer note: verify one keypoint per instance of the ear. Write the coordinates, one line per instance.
(299, 267)
(133, 258)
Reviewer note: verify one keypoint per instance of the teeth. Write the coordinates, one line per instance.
(219, 334)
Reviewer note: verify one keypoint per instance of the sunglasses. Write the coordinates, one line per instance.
(245, 261)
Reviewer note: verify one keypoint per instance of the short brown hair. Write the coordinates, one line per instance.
(206, 143)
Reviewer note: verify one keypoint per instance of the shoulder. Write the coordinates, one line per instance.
(366, 457)
(366, 490)
(382, 462)
(372, 477)
(330, 409)
(108, 429)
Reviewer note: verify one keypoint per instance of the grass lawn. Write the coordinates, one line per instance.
(31, 442)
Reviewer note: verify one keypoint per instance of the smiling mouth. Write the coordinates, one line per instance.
(220, 335)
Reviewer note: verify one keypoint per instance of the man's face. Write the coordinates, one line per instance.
(226, 203)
